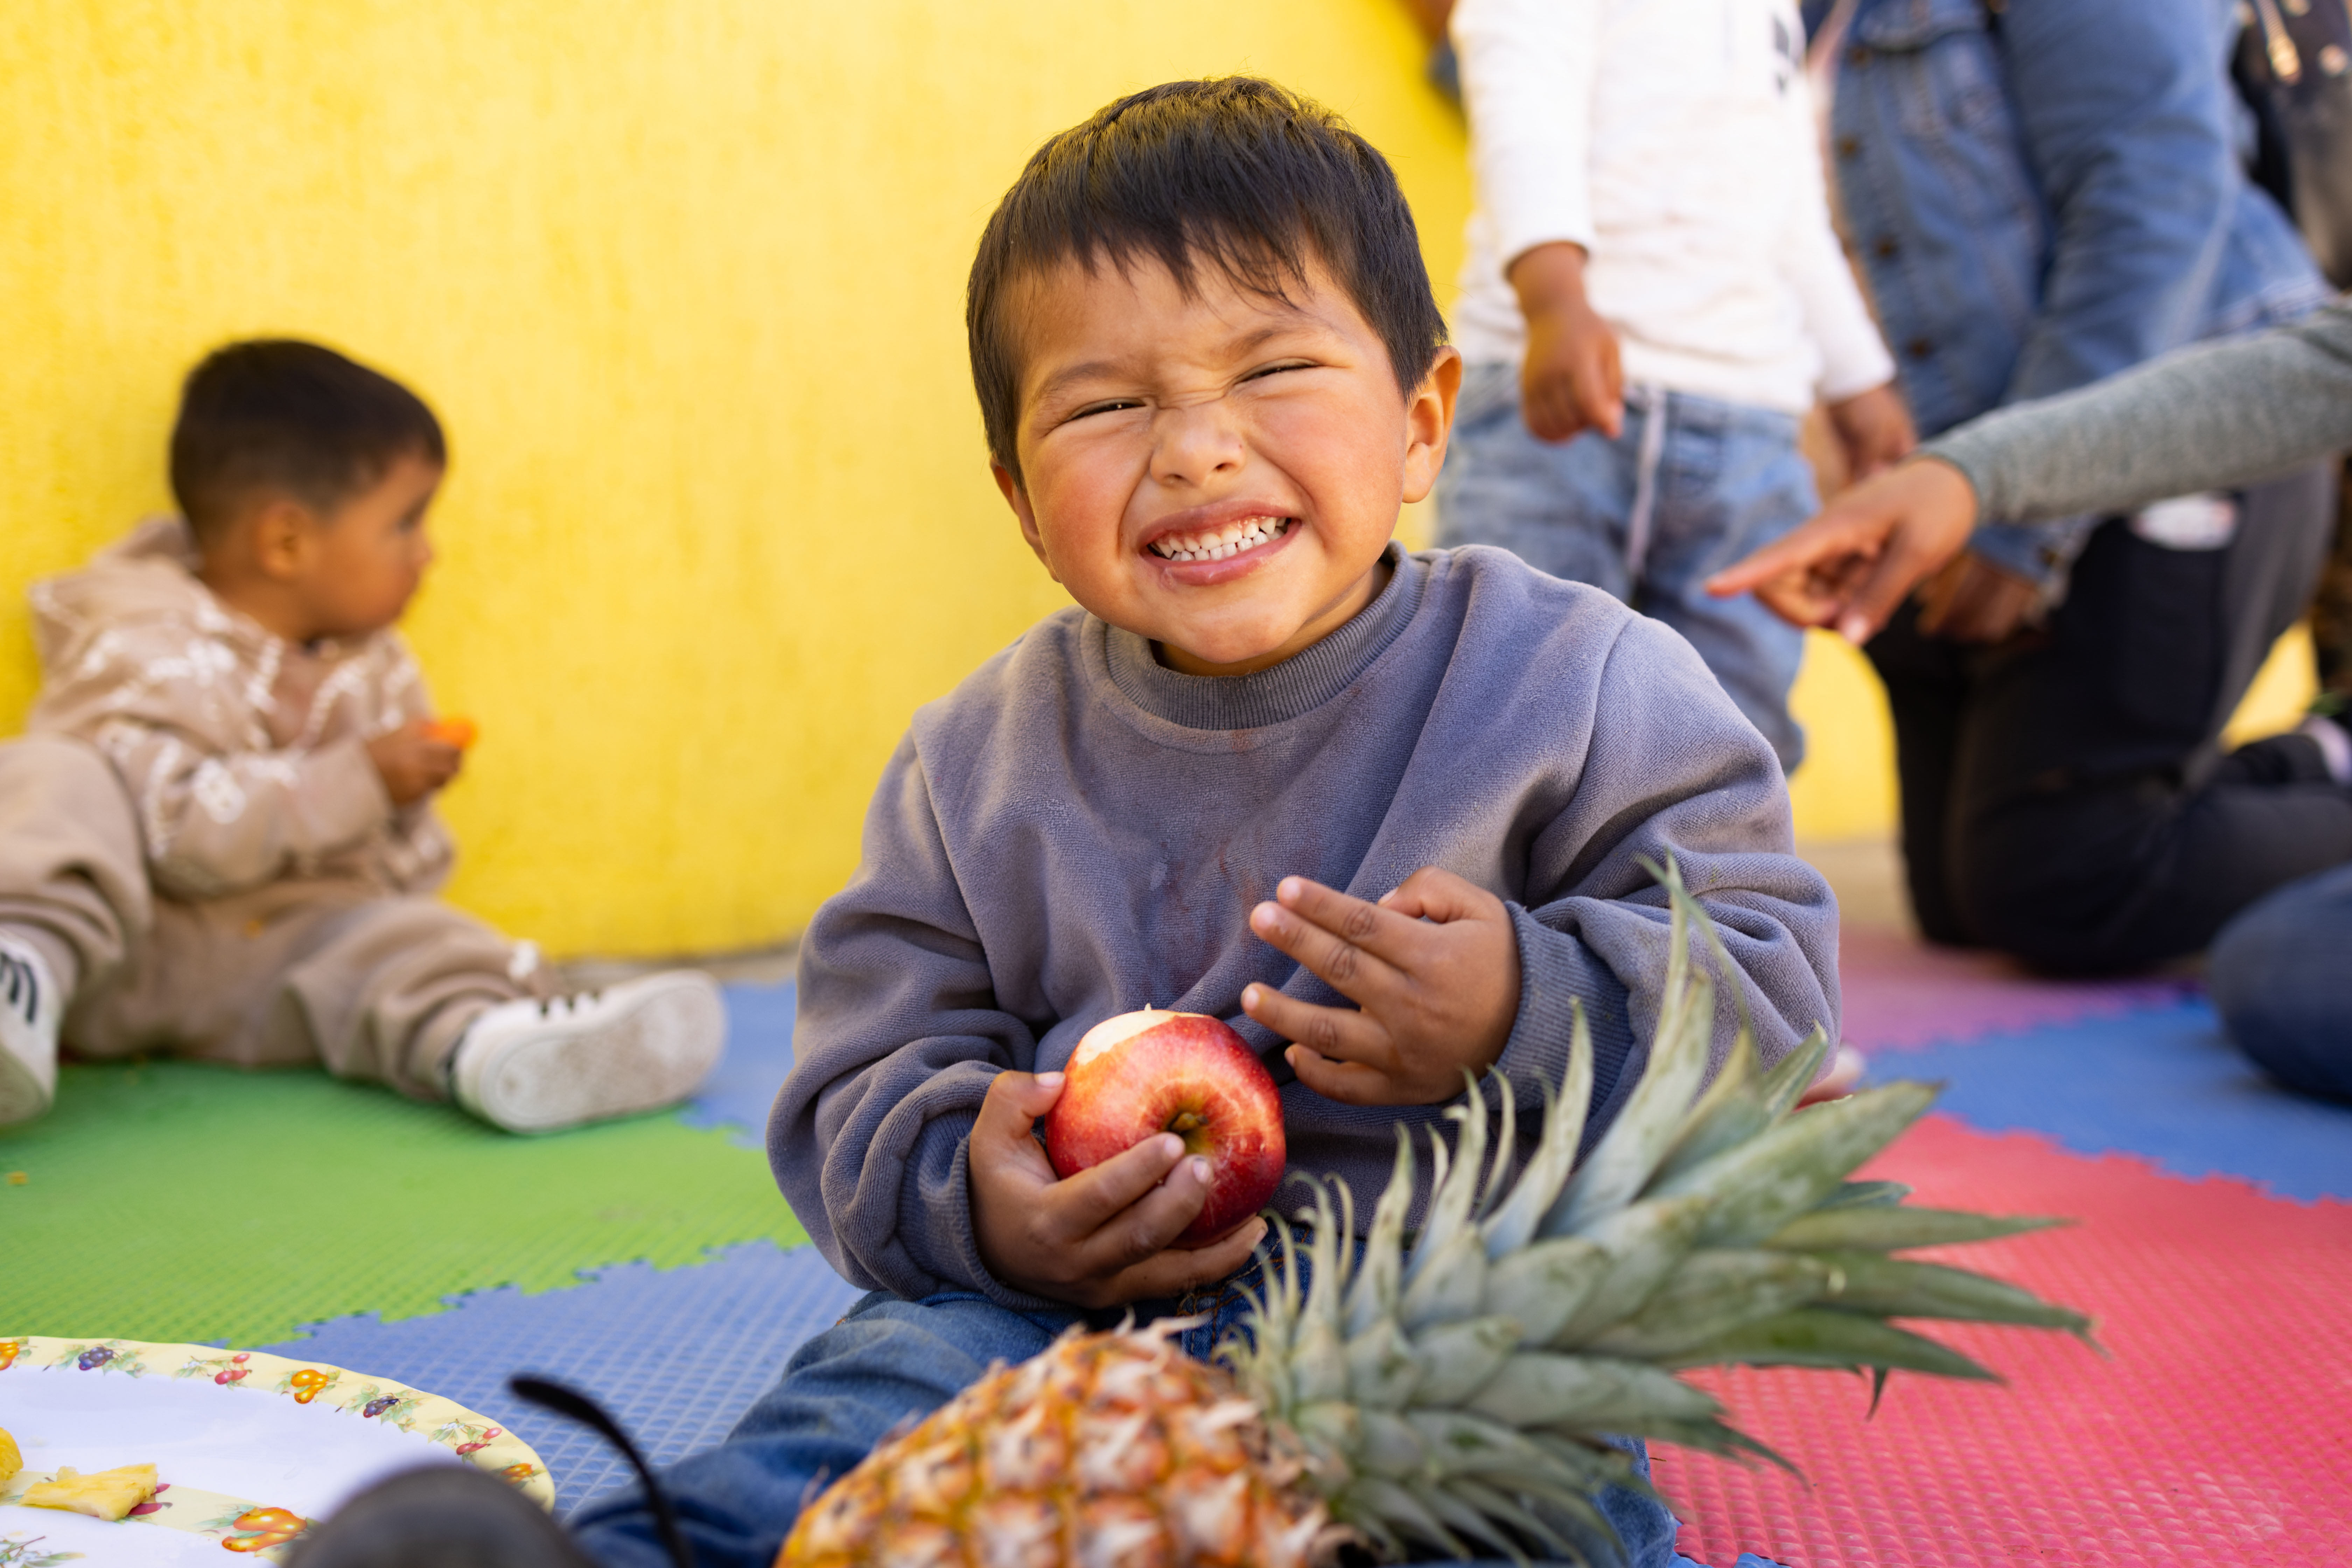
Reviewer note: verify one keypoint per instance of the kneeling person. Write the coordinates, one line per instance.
(217, 836)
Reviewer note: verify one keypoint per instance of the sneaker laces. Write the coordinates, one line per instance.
(21, 983)
(565, 1005)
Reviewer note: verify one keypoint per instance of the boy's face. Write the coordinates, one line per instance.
(1217, 473)
(356, 567)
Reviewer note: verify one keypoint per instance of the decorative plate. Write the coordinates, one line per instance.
(249, 1448)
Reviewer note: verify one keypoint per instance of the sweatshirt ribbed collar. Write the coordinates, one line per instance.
(1297, 685)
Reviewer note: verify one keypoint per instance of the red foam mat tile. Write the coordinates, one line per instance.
(2218, 1429)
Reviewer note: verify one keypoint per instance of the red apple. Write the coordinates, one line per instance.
(1145, 1073)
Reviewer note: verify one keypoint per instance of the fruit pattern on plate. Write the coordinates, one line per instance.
(441, 1421)
(239, 1524)
(18, 1549)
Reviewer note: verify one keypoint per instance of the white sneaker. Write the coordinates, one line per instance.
(535, 1067)
(30, 1011)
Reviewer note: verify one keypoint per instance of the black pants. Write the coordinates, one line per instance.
(2065, 798)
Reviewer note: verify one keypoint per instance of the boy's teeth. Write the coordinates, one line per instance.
(1217, 544)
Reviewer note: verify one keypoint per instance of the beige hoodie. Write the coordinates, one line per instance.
(244, 755)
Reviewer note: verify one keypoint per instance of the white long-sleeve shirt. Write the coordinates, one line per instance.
(1674, 141)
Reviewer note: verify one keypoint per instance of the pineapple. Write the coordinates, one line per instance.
(107, 1494)
(1446, 1393)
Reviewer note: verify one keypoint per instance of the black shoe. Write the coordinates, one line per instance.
(447, 1516)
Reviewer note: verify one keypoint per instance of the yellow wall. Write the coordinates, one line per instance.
(1845, 787)
(683, 281)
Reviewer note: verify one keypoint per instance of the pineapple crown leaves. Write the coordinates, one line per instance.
(1451, 1388)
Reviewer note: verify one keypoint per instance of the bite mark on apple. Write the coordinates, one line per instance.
(1150, 1072)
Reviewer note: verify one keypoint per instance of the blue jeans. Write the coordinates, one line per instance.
(2277, 976)
(1690, 487)
(888, 1360)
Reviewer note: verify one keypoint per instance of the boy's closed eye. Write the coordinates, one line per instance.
(1123, 405)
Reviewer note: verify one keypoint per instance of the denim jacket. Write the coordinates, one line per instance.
(2041, 193)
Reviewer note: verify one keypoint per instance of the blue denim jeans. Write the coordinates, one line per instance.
(891, 1361)
(1690, 487)
(2276, 974)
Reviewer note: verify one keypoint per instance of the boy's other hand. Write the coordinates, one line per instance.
(1851, 566)
(1572, 381)
(1876, 430)
(1434, 967)
(1102, 1237)
(411, 763)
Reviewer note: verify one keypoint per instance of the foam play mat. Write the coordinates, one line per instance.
(651, 1261)
(652, 1264)
(177, 1201)
(2213, 1242)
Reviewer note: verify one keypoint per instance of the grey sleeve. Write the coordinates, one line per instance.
(1674, 771)
(897, 1038)
(2210, 417)
(1557, 975)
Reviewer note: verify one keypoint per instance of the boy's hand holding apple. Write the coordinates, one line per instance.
(1434, 967)
(1104, 1237)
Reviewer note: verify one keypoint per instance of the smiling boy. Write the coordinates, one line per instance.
(1383, 811)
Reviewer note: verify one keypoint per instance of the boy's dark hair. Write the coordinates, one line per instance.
(278, 414)
(1251, 177)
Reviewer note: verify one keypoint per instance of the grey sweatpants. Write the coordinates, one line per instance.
(374, 984)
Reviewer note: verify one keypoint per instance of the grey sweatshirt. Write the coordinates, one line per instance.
(2210, 418)
(1077, 831)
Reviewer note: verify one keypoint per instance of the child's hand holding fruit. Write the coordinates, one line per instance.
(420, 757)
(1104, 1237)
(1434, 967)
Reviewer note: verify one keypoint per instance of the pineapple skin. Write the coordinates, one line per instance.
(1108, 1448)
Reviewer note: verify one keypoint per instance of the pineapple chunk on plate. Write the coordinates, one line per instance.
(108, 1494)
(10, 1458)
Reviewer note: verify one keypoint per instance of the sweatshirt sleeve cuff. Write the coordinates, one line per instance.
(1966, 450)
(1853, 356)
(1556, 972)
(339, 798)
(1518, 233)
(1858, 368)
(935, 1215)
(2043, 553)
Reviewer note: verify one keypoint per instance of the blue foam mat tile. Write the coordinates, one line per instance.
(677, 1355)
(759, 1054)
(2164, 1084)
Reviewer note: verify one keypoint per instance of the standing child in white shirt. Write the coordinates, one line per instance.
(1653, 299)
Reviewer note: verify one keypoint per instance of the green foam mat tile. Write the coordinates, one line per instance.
(175, 1201)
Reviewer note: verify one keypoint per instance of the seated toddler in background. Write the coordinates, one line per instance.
(1389, 808)
(217, 836)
